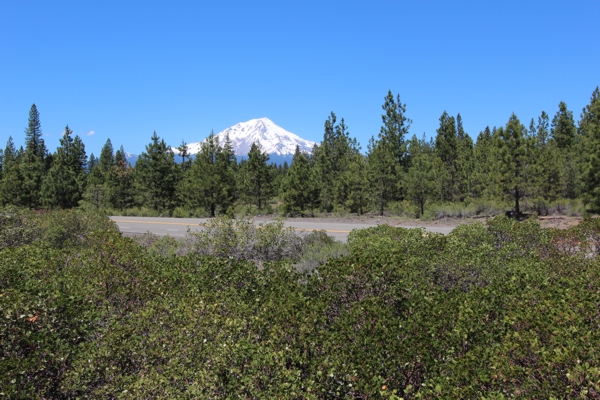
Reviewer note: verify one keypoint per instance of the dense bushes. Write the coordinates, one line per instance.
(241, 239)
(506, 309)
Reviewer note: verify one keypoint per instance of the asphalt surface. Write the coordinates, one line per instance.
(178, 227)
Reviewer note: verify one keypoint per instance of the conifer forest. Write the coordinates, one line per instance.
(499, 308)
(548, 164)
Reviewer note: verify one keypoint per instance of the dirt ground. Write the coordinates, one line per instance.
(558, 221)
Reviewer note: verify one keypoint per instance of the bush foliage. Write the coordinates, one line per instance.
(500, 310)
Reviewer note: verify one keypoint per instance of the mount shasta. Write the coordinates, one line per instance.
(273, 139)
(278, 143)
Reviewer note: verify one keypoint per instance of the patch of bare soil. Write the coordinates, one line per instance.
(559, 221)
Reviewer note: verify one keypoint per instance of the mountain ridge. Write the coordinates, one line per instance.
(273, 139)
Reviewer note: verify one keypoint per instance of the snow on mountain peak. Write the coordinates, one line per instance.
(272, 138)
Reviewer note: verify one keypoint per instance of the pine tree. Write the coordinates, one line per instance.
(100, 173)
(33, 164)
(568, 151)
(63, 186)
(209, 183)
(156, 176)
(589, 126)
(95, 192)
(387, 157)
(258, 178)
(11, 187)
(91, 163)
(381, 174)
(542, 131)
(513, 150)
(446, 148)
(484, 161)
(227, 164)
(107, 158)
(464, 164)
(332, 159)
(121, 156)
(325, 163)
(544, 164)
(353, 181)
(299, 187)
(563, 127)
(394, 129)
(183, 152)
(420, 181)
(119, 188)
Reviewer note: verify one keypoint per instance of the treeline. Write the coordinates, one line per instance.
(550, 160)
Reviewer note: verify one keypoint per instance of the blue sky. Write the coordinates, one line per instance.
(122, 69)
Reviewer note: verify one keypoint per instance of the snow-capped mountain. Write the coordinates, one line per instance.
(273, 139)
(131, 158)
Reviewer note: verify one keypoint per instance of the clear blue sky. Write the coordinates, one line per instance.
(122, 69)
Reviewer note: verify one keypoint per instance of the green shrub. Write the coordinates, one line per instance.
(59, 228)
(496, 310)
(139, 212)
(18, 227)
(240, 239)
(163, 246)
(180, 212)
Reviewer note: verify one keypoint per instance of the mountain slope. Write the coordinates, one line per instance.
(274, 139)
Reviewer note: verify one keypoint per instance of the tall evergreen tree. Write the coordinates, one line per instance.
(352, 188)
(33, 134)
(332, 158)
(99, 172)
(95, 191)
(121, 156)
(387, 157)
(107, 158)
(209, 183)
(183, 152)
(513, 150)
(324, 163)
(381, 174)
(33, 164)
(156, 176)
(11, 187)
(484, 178)
(464, 164)
(544, 161)
(227, 164)
(420, 181)
(258, 178)
(542, 131)
(446, 147)
(394, 129)
(589, 126)
(563, 127)
(91, 163)
(63, 186)
(119, 188)
(299, 187)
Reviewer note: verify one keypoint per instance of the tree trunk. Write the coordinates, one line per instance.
(382, 198)
(517, 209)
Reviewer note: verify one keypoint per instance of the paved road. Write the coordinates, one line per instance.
(178, 227)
